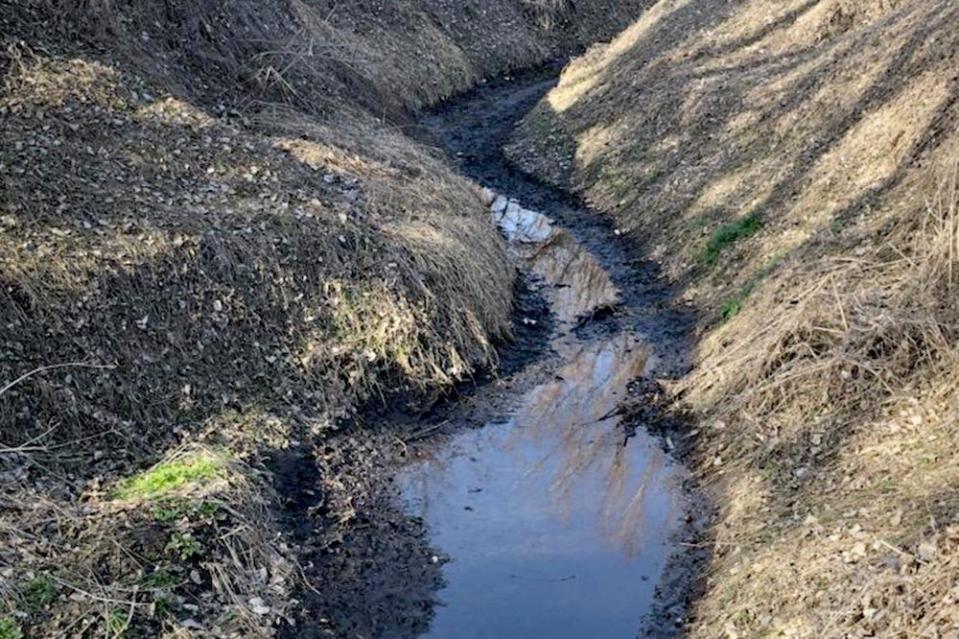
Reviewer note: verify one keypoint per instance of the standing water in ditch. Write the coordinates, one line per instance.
(556, 518)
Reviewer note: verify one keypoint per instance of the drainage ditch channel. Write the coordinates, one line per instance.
(529, 504)
(556, 517)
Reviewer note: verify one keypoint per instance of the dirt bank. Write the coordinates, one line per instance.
(216, 244)
(793, 168)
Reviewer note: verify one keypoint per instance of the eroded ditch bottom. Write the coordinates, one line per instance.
(557, 517)
(527, 506)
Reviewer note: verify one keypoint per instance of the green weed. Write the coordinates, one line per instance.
(39, 593)
(734, 306)
(169, 476)
(727, 235)
(185, 546)
(169, 514)
(172, 510)
(160, 580)
(9, 629)
(116, 623)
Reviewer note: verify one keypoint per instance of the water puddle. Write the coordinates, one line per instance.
(555, 523)
(578, 284)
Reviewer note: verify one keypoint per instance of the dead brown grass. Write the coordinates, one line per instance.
(192, 270)
(825, 397)
(206, 266)
(212, 231)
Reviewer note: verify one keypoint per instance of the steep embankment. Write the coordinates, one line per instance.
(794, 166)
(215, 243)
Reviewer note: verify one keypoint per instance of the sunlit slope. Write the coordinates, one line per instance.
(793, 165)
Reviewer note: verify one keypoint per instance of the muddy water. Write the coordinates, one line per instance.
(550, 515)
(527, 506)
(556, 523)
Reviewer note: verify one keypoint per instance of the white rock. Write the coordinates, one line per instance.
(258, 606)
(523, 225)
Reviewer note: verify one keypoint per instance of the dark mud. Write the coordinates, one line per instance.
(474, 130)
(370, 564)
(381, 567)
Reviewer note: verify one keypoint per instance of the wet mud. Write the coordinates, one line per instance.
(563, 515)
(530, 502)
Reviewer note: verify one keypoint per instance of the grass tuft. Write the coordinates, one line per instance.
(9, 629)
(729, 234)
(172, 475)
(160, 579)
(39, 593)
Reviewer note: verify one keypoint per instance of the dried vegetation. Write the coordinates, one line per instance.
(825, 384)
(215, 240)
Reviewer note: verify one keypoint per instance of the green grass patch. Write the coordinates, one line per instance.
(9, 629)
(733, 307)
(170, 476)
(160, 579)
(727, 235)
(39, 593)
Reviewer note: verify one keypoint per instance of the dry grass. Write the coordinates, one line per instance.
(120, 562)
(256, 267)
(188, 271)
(211, 230)
(826, 403)
(833, 449)
(320, 55)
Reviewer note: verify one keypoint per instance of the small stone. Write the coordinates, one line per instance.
(258, 606)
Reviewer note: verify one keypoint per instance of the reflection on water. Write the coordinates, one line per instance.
(556, 525)
(579, 285)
